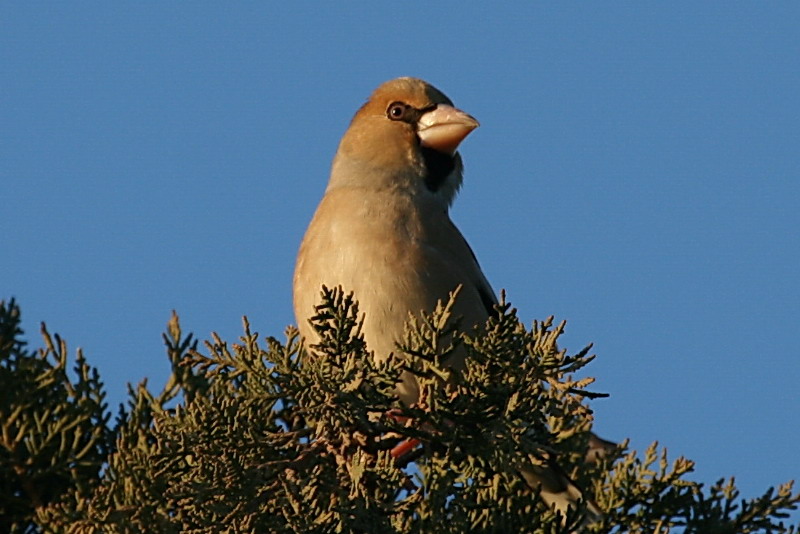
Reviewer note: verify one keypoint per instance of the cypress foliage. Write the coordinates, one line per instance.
(265, 436)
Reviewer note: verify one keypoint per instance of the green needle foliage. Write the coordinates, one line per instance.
(270, 436)
(54, 433)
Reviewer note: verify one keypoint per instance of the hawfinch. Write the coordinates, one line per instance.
(382, 230)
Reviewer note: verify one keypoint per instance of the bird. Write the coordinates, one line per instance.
(383, 232)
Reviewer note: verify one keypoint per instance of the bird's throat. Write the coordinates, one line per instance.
(438, 167)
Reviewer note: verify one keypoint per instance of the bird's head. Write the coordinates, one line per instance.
(406, 134)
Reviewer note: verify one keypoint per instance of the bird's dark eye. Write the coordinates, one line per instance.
(396, 111)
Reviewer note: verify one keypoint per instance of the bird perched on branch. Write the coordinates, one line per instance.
(382, 231)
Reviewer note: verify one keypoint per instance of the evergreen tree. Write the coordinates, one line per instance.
(266, 436)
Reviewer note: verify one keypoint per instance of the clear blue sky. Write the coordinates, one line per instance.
(636, 173)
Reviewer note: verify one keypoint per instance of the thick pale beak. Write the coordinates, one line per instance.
(443, 128)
